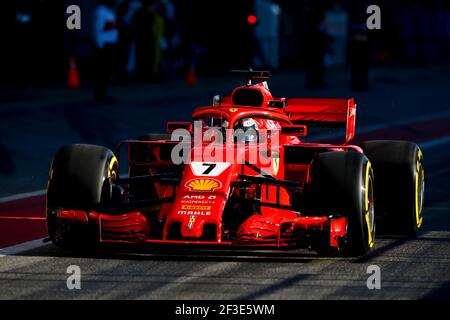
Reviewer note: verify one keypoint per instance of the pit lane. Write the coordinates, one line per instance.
(410, 268)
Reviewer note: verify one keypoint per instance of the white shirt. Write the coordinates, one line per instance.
(105, 29)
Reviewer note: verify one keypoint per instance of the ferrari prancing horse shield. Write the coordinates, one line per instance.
(275, 163)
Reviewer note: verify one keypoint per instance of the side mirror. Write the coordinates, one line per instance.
(281, 104)
(295, 130)
(174, 125)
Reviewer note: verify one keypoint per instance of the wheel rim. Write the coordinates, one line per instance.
(420, 189)
(371, 207)
(369, 215)
(111, 176)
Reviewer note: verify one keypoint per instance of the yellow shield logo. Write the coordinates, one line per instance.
(203, 184)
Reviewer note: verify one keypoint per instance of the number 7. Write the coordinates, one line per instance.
(210, 168)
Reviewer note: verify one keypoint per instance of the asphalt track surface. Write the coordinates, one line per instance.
(400, 106)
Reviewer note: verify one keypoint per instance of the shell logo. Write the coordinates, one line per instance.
(203, 184)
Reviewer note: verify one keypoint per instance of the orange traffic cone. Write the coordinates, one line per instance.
(191, 78)
(73, 79)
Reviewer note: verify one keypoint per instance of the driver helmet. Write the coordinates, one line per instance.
(250, 128)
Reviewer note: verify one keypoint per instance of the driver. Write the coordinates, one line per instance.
(250, 128)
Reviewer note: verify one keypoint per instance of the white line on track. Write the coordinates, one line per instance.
(22, 247)
(21, 196)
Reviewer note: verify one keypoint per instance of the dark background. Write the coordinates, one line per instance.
(413, 33)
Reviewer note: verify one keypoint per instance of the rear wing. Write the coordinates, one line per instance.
(339, 113)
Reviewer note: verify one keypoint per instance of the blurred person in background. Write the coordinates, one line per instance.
(359, 47)
(258, 58)
(159, 40)
(170, 30)
(23, 43)
(316, 40)
(106, 38)
(145, 21)
(125, 30)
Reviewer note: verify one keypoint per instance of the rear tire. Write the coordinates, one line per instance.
(400, 184)
(80, 178)
(342, 185)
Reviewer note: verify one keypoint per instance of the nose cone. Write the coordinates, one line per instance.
(192, 226)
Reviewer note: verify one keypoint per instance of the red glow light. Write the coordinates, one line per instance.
(251, 19)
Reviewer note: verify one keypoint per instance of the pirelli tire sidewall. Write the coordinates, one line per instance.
(340, 186)
(399, 186)
(80, 178)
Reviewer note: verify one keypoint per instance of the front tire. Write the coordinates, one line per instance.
(342, 185)
(80, 178)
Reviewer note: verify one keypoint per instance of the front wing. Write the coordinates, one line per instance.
(257, 231)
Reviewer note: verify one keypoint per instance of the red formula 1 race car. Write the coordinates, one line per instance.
(242, 173)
